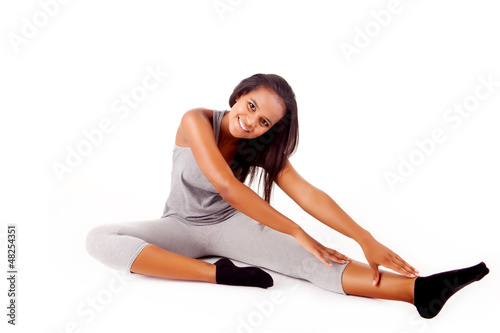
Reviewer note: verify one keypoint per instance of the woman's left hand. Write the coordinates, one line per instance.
(320, 251)
(379, 255)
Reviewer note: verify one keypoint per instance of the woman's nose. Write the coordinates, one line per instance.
(251, 121)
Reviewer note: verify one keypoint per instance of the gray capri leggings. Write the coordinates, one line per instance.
(240, 238)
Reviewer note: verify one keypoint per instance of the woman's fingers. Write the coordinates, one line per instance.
(322, 258)
(410, 269)
(325, 261)
(342, 256)
(337, 256)
(323, 253)
(375, 272)
(404, 268)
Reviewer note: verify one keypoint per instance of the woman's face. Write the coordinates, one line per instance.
(255, 113)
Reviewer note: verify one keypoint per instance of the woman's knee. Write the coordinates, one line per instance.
(97, 237)
(113, 245)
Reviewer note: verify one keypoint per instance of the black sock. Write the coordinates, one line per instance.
(227, 273)
(431, 292)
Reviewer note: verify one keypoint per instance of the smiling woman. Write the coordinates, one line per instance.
(210, 212)
(266, 108)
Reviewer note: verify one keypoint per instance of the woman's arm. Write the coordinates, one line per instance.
(197, 130)
(319, 205)
(322, 207)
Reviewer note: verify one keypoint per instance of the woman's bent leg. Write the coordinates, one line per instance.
(155, 261)
(164, 247)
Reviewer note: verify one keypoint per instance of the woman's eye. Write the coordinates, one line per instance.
(251, 106)
(265, 122)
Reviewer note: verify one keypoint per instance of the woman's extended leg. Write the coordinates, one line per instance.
(428, 294)
(358, 280)
(244, 239)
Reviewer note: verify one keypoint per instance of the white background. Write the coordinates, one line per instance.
(357, 114)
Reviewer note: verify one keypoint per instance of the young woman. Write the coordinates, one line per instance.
(211, 212)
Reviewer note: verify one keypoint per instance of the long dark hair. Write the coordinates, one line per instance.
(271, 150)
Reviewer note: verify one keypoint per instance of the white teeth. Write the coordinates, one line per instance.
(242, 126)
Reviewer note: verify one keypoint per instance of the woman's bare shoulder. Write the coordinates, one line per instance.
(204, 111)
(180, 140)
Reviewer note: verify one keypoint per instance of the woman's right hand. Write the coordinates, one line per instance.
(320, 251)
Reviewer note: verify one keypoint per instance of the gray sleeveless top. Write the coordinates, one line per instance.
(192, 197)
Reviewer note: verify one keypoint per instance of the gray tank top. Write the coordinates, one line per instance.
(192, 197)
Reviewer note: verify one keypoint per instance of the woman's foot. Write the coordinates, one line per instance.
(432, 292)
(227, 273)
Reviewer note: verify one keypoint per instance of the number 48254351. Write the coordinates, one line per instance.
(11, 246)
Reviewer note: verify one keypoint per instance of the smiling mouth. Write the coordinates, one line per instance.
(242, 126)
